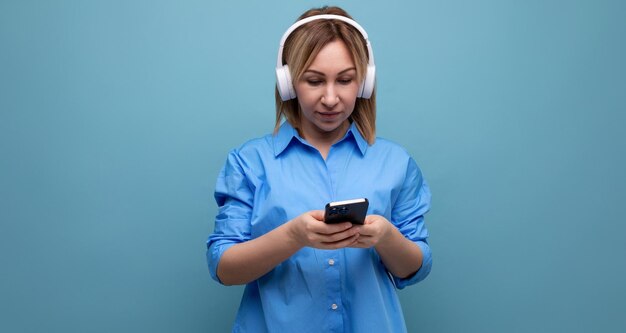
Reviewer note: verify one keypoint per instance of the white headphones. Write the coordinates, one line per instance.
(283, 77)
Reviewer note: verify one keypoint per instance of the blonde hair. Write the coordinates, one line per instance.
(301, 48)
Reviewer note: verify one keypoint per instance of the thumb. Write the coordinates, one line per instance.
(317, 214)
(369, 219)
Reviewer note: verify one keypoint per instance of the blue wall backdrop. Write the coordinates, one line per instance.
(116, 116)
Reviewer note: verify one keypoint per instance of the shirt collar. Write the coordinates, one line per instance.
(283, 137)
(358, 138)
(286, 133)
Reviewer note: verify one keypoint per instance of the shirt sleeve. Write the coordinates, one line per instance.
(408, 215)
(234, 197)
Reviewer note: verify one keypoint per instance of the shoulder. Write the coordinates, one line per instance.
(384, 142)
(389, 147)
(254, 146)
(251, 154)
(396, 155)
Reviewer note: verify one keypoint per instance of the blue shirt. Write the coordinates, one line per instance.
(269, 181)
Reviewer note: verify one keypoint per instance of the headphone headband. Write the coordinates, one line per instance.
(304, 21)
(284, 84)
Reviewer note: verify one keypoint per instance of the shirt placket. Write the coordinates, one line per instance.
(332, 262)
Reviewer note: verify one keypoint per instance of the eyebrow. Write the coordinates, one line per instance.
(322, 74)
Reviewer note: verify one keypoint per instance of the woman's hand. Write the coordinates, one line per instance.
(375, 230)
(400, 255)
(310, 230)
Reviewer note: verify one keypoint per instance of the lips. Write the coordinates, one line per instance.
(329, 115)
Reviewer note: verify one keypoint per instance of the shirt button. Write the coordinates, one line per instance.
(331, 262)
(334, 306)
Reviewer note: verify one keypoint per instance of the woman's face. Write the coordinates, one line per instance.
(327, 93)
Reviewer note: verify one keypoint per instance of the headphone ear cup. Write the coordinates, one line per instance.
(284, 84)
(367, 86)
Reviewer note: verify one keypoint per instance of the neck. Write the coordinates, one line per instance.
(324, 140)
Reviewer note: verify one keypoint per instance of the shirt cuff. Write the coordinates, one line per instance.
(214, 254)
(422, 273)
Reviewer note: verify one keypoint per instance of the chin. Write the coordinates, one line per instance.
(329, 127)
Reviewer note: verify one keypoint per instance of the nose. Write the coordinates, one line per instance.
(330, 97)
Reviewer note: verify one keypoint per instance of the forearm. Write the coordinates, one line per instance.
(245, 262)
(401, 256)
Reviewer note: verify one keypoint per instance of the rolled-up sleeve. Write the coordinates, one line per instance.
(234, 199)
(412, 204)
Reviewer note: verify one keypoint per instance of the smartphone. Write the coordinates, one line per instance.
(346, 211)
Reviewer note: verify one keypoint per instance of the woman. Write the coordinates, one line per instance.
(301, 274)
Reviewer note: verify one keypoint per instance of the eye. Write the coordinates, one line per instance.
(345, 81)
(314, 82)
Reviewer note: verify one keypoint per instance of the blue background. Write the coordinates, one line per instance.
(116, 116)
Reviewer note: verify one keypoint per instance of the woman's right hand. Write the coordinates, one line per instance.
(309, 229)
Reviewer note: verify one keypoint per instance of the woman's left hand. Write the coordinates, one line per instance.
(375, 230)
